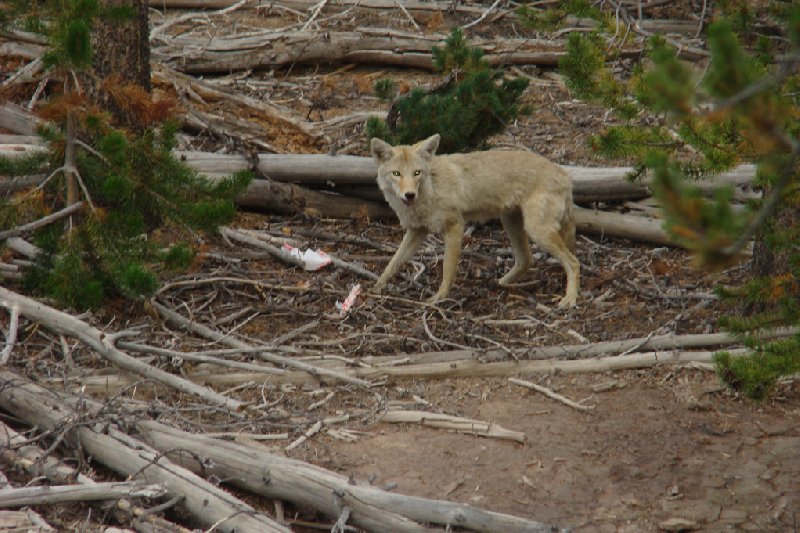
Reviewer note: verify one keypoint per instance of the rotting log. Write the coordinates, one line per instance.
(51, 411)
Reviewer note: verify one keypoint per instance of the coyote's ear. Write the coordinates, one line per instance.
(428, 147)
(380, 149)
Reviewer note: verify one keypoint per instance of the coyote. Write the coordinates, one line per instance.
(440, 194)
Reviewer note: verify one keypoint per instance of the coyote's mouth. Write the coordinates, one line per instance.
(407, 201)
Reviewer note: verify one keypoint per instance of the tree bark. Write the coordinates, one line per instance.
(121, 56)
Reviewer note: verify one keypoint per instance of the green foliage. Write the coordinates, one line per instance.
(757, 374)
(385, 89)
(473, 103)
(745, 106)
(551, 18)
(457, 54)
(137, 195)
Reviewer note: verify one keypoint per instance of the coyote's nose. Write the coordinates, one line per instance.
(410, 196)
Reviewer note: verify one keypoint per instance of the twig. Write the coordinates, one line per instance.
(208, 333)
(11, 337)
(482, 17)
(313, 430)
(402, 8)
(44, 221)
(316, 11)
(550, 394)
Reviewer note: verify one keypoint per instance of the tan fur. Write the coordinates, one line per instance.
(440, 194)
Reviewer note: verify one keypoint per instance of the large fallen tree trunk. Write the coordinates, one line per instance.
(272, 49)
(51, 411)
(590, 184)
(103, 345)
(261, 472)
(275, 476)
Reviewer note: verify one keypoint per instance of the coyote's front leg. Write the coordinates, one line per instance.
(411, 243)
(453, 236)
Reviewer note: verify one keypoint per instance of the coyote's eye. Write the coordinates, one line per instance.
(396, 173)
(417, 172)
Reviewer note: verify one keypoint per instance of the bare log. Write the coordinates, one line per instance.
(61, 322)
(456, 423)
(25, 520)
(468, 368)
(48, 494)
(17, 120)
(17, 452)
(632, 227)
(367, 45)
(48, 410)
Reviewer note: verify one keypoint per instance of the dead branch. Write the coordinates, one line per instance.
(108, 445)
(262, 115)
(42, 222)
(455, 423)
(411, 5)
(550, 394)
(317, 372)
(67, 324)
(49, 494)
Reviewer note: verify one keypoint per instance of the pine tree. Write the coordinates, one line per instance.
(121, 170)
(471, 103)
(745, 108)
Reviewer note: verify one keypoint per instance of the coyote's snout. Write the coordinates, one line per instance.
(529, 194)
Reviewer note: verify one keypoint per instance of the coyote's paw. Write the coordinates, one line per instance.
(377, 289)
(567, 302)
(436, 298)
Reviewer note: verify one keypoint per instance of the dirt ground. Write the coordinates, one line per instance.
(660, 447)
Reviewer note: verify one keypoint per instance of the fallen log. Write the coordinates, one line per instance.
(17, 120)
(470, 368)
(17, 452)
(456, 423)
(50, 494)
(270, 49)
(127, 456)
(307, 485)
(103, 345)
(258, 471)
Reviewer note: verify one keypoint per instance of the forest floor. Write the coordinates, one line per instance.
(662, 448)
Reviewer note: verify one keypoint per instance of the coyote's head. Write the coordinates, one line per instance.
(401, 169)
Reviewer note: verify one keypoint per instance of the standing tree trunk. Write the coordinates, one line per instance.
(121, 60)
